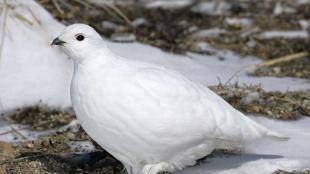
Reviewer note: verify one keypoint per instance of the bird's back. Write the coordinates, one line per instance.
(158, 110)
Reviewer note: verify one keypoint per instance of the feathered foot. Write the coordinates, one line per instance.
(158, 168)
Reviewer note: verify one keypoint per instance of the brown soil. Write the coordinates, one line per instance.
(172, 30)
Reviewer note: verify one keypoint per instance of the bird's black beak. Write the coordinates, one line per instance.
(57, 41)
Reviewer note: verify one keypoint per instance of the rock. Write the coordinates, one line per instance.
(250, 97)
(6, 150)
(238, 22)
(123, 37)
(251, 44)
(139, 21)
(108, 25)
(30, 145)
(202, 47)
(276, 70)
(2, 169)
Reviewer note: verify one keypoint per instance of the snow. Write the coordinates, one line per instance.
(167, 3)
(304, 24)
(208, 69)
(24, 133)
(108, 25)
(82, 146)
(32, 72)
(280, 9)
(212, 7)
(123, 37)
(265, 155)
(284, 34)
(139, 21)
(243, 22)
(111, 2)
(211, 32)
(301, 2)
(253, 96)
(30, 69)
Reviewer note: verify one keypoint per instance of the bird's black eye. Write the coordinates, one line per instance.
(80, 37)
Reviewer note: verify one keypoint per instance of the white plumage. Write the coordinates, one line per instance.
(150, 118)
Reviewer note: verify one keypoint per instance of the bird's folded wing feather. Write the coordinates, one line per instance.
(171, 101)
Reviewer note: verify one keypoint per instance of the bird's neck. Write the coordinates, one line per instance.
(99, 62)
(101, 55)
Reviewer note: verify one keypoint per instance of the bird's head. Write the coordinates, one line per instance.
(78, 41)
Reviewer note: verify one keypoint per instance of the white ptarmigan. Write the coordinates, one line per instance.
(150, 118)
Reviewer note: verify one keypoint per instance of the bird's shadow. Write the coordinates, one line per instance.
(219, 161)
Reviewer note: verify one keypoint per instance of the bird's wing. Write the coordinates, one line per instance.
(169, 101)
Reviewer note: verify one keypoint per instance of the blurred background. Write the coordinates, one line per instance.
(253, 53)
(267, 29)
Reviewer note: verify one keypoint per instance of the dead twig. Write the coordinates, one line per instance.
(5, 16)
(233, 76)
(86, 4)
(43, 1)
(16, 132)
(22, 18)
(114, 10)
(216, 5)
(42, 155)
(5, 133)
(58, 8)
(34, 16)
(89, 4)
(120, 13)
(23, 158)
(66, 4)
(283, 59)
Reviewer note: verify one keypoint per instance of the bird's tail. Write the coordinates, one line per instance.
(276, 136)
(265, 132)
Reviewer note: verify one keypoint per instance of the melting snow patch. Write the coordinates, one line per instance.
(108, 25)
(304, 24)
(239, 22)
(139, 21)
(82, 146)
(168, 3)
(301, 2)
(208, 69)
(280, 8)
(16, 132)
(284, 34)
(123, 37)
(212, 7)
(212, 32)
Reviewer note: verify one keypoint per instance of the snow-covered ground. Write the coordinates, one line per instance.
(285, 34)
(32, 72)
(265, 156)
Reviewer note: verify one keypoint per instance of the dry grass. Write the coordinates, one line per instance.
(254, 100)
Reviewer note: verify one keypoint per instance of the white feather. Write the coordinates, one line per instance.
(150, 118)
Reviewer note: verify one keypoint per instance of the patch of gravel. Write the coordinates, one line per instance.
(298, 68)
(292, 172)
(41, 117)
(277, 105)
